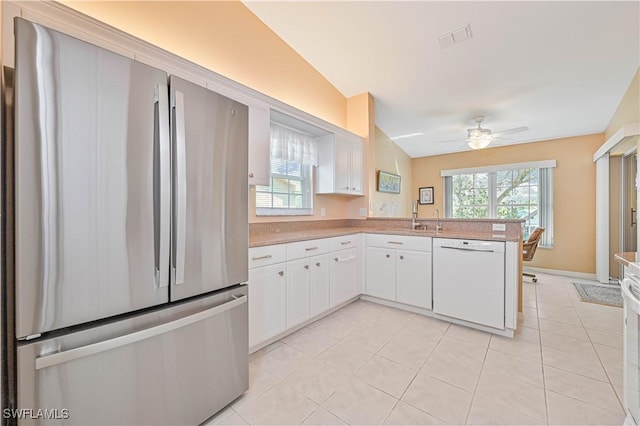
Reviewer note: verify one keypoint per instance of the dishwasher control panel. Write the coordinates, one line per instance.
(471, 245)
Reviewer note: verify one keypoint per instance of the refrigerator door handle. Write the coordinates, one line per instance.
(180, 189)
(96, 348)
(163, 205)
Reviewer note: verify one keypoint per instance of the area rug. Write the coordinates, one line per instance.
(602, 294)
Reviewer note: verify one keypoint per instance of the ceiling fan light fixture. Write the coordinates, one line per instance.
(479, 143)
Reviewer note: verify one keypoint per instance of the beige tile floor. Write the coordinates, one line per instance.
(370, 364)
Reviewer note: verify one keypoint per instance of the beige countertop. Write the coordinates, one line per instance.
(271, 238)
(628, 257)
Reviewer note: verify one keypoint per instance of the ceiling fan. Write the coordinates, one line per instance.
(479, 137)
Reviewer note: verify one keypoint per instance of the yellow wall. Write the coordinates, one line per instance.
(390, 158)
(225, 37)
(573, 192)
(629, 109)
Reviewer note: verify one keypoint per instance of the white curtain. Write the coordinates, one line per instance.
(287, 144)
(546, 205)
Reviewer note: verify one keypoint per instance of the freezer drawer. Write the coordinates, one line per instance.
(176, 366)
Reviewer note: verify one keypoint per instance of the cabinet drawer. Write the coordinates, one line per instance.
(344, 242)
(399, 242)
(308, 248)
(267, 255)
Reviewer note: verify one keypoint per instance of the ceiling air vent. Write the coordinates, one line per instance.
(454, 37)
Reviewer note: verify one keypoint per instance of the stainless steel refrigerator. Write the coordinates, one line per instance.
(131, 238)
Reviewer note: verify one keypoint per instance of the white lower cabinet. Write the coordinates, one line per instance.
(292, 283)
(307, 288)
(319, 300)
(267, 302)
(298, 291)
(344, 276)
(381, 273)
(397, 274)
(413, 278)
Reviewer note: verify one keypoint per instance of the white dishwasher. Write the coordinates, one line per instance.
(468, 280)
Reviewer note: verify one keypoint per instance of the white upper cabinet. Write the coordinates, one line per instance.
(340, 164)
(259, 144)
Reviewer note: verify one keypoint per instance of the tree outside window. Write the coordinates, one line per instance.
(508, 194)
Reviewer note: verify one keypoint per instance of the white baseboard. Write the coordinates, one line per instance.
(570, 274)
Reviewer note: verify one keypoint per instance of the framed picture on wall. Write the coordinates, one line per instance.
(426, 195)
(388, 182)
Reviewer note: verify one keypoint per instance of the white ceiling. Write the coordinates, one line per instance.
(560, 68)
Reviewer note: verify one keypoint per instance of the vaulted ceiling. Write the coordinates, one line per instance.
(559, 68)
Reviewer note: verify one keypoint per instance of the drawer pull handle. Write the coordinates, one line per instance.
(395, 242)
(311, 248)
(306, 266)
(318, 264)
(388, 256)
(401, 257)
(281, 273)
(345, 242)
(118, 342)
(250, 175)
(268, 256)
(344, 259)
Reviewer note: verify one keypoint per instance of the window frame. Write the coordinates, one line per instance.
(545, 191)
(306, 180)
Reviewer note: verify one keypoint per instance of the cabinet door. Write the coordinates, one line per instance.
(259, 145)
(267, 302)
(356, 167)
(319, 288)
(413, 278)
(381, 275)
(344, 276)
(342, 159)
(298, 286)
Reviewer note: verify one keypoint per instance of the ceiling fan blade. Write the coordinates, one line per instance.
(450, 140)
(511, 131)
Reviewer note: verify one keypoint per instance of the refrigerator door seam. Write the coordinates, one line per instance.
(180, 188)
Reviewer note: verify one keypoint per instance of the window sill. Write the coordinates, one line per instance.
(283, 212)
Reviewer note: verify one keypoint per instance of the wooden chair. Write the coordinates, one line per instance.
(529, 249)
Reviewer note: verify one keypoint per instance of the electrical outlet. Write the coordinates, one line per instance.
(323, 212)
(363, 212)
(499, 227)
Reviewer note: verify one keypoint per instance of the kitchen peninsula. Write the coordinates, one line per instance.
(468, 273)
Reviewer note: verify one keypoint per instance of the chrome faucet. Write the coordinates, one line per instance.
(438, 226)
(414, 222)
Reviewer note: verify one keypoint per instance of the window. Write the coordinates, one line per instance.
(515, 191)
(293, 154)
(289, 191)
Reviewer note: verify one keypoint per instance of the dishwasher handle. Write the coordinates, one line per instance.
(468, 249)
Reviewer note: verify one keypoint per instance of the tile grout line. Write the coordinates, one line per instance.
(417, 372)
(414, 378)
(544, 379)
(475, 388)
(611, 385)
(575, 304)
